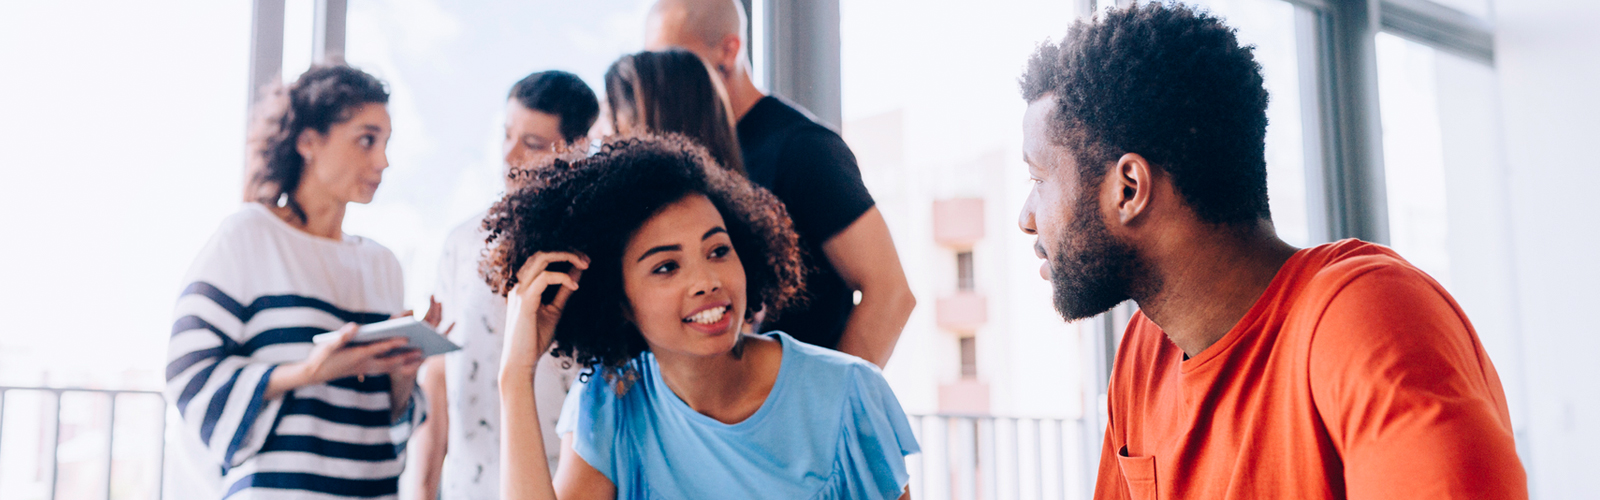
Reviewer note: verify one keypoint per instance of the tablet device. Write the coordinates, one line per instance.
(419, 335)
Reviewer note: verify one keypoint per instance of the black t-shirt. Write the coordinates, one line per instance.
(813, 172)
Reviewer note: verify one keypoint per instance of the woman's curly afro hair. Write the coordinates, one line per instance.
(594, 205)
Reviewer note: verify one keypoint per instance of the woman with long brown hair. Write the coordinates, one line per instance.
(673, 92)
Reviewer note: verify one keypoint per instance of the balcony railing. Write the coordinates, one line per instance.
(92, 411)
(964, 457)
(971, 457)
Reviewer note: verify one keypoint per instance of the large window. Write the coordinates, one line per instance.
(1413, 154)
(932, 110)
(120, 133)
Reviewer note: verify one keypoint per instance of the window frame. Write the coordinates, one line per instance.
(266, 41)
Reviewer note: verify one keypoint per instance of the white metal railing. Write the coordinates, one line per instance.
(972, 457)
(964, 457)
(46, 466)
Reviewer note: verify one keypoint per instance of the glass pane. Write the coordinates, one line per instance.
(1413, 155)
(932, 116)
(969, 357)
(1447, 196)
(1270, 26)
(124, 144)
(449, 67)
(121, 138)
(299, 18)
(1477, 8)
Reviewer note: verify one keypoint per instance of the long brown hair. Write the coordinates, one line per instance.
(673, 91)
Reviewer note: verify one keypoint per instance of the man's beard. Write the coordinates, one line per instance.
(1091, 270)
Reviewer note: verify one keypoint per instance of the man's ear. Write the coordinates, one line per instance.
(728, 53)
(1134, 181)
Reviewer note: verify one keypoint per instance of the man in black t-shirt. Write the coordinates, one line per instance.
(809, 167)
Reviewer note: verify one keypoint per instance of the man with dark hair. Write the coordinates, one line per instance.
(547, 109)
(1253, 369)
(546, 112)
(808, 167)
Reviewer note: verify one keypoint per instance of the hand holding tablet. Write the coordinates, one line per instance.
(418, 334)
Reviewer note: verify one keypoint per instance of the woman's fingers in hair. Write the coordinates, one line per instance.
(578, 260)
(560, 300)
(545, 280)
(540, 262)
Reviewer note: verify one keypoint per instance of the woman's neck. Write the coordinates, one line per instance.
(724, 387)
(324, 216)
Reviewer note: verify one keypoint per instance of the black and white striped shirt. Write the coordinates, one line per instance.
(255, 296)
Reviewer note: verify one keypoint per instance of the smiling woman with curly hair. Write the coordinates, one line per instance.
(674, 254)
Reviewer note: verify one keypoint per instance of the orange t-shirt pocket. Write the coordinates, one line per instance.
(1139, 473)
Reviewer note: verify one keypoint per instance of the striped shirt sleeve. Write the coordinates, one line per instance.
(216, 388)
(253, 299)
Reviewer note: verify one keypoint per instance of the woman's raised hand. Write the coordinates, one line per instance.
(531, 322)
(530, 327)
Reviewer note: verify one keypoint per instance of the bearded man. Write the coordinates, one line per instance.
(1253, 369)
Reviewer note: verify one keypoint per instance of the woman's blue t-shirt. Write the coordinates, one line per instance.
(830, 428)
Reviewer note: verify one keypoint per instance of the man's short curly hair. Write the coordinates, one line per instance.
(594, 205)
(1171, 84)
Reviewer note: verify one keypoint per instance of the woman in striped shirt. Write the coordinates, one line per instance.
(280, 417)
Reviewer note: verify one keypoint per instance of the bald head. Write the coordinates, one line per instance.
(713, 30)
(709, 28)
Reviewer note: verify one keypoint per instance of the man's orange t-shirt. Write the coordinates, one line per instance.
(1355, 375)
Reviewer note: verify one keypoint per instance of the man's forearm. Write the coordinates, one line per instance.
(875, 325)
(429, 443)
(865, 258)
(432, 440)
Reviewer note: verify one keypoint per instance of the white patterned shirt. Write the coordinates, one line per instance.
(472, 466)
